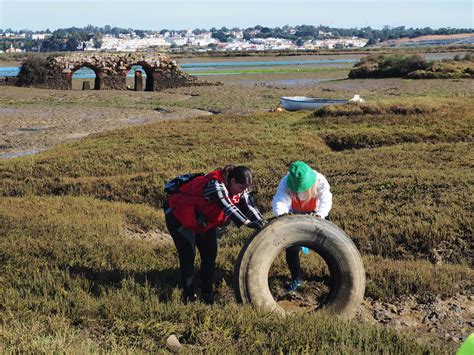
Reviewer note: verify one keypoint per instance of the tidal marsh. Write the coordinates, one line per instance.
(72, 278)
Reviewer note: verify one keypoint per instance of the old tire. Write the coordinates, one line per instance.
(330, 242)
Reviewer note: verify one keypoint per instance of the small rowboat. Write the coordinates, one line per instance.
(295, 103)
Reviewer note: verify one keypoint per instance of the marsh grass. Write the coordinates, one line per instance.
(404, 198)
(70, 278)
(72, 281)
(373, 109)
(380, 124)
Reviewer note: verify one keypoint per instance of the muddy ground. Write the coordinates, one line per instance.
(34, 127)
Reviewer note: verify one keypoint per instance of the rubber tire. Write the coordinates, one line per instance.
(325, 238)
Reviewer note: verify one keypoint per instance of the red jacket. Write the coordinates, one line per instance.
(190, 202)
(298, 206)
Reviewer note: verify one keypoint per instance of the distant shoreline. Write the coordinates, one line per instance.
(267, 56)
(15, 59)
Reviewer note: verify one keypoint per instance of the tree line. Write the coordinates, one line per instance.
(73, 38)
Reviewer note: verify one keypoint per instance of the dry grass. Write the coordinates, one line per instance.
(72, 281)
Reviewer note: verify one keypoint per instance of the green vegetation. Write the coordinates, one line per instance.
(33, 70)
(446, 70)
(376, 125)
(73, 280)
(405, 208)
(80, 270)
(414, 67)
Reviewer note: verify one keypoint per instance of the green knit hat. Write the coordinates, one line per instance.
(301, 177)
(467, 347)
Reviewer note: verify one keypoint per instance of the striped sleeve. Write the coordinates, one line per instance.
(216, 191)
(247, 206)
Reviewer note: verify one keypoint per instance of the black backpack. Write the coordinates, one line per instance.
(173, 185)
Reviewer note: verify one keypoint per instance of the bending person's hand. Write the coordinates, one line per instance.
(256, 224)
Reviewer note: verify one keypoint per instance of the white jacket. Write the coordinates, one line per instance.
(281, 202)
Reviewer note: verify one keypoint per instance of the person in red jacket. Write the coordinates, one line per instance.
(195, 211)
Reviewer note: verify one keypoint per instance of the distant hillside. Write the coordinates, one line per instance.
(432, 40)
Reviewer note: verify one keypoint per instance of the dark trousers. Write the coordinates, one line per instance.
(293, 261)
(186, 242)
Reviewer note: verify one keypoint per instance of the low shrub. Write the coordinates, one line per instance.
(387, 66)
(357, 109)
(445, 70)
(33, 70)
(375, 137)
(412, 67)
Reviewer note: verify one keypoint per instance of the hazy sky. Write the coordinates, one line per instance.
(184, 14)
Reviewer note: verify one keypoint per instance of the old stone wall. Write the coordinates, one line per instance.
(8, 81)
(55, 72)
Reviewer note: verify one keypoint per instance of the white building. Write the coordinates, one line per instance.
(203, 40)
(176, 40)
(272, 43)
(324, 34)
(13, 50)
(131, 44)
(237, 34)
(39, 36)
(89, 45)
(353, 42)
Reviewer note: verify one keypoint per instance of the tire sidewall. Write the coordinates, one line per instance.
(326, 239)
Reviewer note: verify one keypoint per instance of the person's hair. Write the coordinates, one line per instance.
(305, 195)
(241, 174)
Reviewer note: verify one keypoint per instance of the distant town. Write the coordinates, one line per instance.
(256, 38)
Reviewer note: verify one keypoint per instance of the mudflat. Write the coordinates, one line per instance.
(32, 120)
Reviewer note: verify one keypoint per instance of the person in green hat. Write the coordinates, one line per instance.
(303, 190)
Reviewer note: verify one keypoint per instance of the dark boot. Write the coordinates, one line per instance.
(208, 297)
(189, 297)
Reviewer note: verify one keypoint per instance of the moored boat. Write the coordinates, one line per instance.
(295, 103)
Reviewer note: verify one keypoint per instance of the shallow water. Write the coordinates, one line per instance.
(19, 154)
(86, 73)
(278, 82)
(33, 129)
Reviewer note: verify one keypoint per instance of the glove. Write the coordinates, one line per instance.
(259, 223)
(314, 214)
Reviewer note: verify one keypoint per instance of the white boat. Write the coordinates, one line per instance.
(295, 103)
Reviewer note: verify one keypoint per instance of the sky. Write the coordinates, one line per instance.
(189, 14)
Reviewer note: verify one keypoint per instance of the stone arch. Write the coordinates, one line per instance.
(149, 71)
(96, 70)
(55, 72)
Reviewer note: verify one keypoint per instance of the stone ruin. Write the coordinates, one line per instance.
(111, 69)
